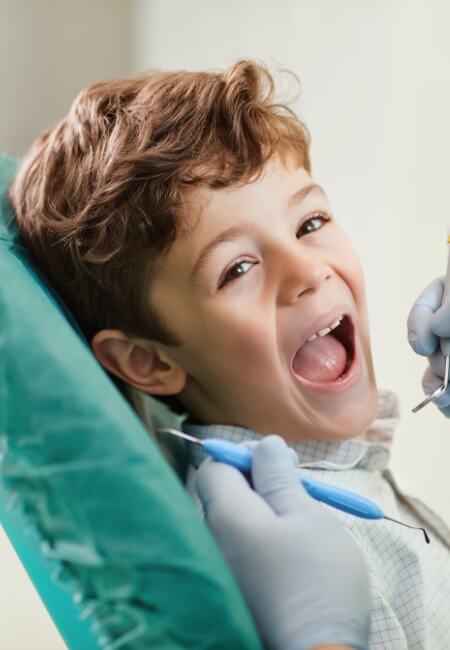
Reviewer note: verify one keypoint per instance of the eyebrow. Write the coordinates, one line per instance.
(230, 234)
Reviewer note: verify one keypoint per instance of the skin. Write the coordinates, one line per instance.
(234, 365)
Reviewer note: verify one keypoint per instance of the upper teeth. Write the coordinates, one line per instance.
(326, 330)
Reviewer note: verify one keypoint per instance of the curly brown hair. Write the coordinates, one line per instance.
(99, 196)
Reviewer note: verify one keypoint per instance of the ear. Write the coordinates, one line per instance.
(138, 362)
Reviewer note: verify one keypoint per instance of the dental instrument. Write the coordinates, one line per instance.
(240, 457)
(444, 342)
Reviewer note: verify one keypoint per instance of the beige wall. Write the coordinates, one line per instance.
(50, 50)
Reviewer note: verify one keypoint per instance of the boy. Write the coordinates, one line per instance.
(176, 215)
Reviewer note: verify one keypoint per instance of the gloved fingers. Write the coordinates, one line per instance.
(430, 382)
(437, 363)
(445, 411)
(294, 456)
(440, 321)
(224, 491)
(420, 335)
(252, 444)
(275, 476)
(444, 400)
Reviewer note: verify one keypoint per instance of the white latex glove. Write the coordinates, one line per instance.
(427, 324)
(302, 574)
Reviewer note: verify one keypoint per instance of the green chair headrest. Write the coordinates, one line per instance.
(79, 469)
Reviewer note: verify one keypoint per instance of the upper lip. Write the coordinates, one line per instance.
(322, 321)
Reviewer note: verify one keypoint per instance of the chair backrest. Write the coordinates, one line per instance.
(111, 526)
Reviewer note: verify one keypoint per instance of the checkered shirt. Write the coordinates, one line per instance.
(410, 579)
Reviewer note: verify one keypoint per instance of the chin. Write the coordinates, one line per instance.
(356, 419)
(349, 420)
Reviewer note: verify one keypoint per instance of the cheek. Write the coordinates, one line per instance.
(356, 281)
(350, 267)
(249, 338)
(240, 365)
(352, 273)
(242, 343)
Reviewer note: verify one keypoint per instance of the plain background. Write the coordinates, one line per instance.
(375, 95)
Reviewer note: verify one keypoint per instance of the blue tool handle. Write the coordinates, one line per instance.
(341, 499)
(240, 457)
(229, 452)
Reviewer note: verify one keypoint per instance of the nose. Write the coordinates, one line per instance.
(301, 271)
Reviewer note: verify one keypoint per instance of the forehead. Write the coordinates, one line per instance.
(207, 211)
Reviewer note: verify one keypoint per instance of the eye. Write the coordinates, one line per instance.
(314, 223)
(233, 273)
(309, 226)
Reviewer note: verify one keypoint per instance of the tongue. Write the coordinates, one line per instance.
(321, 360)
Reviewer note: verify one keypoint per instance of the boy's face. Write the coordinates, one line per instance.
(296, 273)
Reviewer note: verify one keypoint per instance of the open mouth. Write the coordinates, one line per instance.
(328, 358)
(345, 333)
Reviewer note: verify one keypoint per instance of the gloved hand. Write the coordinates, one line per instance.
(302, 574)
(427, 322)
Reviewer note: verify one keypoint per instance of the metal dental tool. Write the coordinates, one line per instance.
(444, 342)
(240, 457)
(440, 390)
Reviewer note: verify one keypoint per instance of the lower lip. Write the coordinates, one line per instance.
(347, 381)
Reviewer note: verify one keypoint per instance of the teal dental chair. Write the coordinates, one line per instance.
(99, 519)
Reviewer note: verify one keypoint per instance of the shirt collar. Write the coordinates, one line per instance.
(370, 450)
